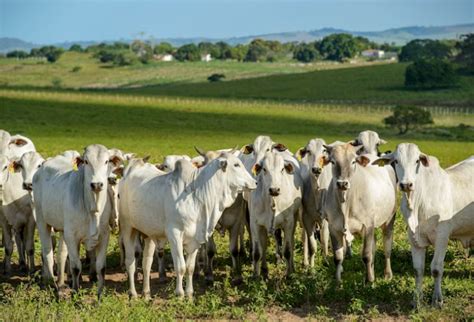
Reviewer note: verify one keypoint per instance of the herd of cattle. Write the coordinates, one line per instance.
(334, 190)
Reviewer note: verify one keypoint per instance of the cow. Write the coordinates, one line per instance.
(169, 161)
(370, 141)
(13, 146)
(316, 173)
(437, 204)
(182, 206)
(16, 210)
(77, 204)
(275, 204)
(360, 198)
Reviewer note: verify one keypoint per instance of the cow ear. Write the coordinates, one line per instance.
(301, 153)
(160, 166)
(145, 159)
(118, 171)
(223, 164)
(256, 169)
(200, 151)
(78, 161)
(328, 148)
(354, 142)
(279, 147)
(382, 161)
(289, 168)
(129, 156)
(363, 160)
(116, 160)
(381, 141)
(19, 142)
(247, 149)
(425, 160)
(15, 166)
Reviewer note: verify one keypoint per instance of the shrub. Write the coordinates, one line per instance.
(429, 74)
(17, 54)
(216, 77)
(306, 53)
(76, 69)
(407, 118)
(188, 52)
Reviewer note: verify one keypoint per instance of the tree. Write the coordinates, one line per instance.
(216, 78)
(306, 53)
(209, 48)
(76, 47)
(425, 49)
(257, 51)
(188, 52)
(17, 54)
(407, 118)
(239, 52)
(430, 74)
(163, 48)
(466, 54)
(338, 47)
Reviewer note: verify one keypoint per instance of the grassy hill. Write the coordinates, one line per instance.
(368, 84)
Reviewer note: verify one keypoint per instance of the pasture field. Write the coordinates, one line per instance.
(92, 74)
(158, 126)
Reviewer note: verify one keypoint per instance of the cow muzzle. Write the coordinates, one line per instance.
(112, 181)
(406, 187)
(97, 186)
(316, 171)
(274, 192)
(27, 186)
(343, 185)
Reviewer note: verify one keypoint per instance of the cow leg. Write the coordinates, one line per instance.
(310, 250)
(61, 259)
(256, 248)
(129, 239)
(46, 252)
(234, 235)
(289, 247)
(122, 250)
(324, 232)
(337, 239)
(241, 241)
(191, 250)
(92, 260)
(148, 252)
(368, 253)
(8, 244)
(418, 257)
(30, 243)
(100, 259)
(210, 252)
(19, 233)
(74, 260)
(437, 264)
(387, 248)
(263, 236)
(161, 260)
(279, 245)
(176, 245)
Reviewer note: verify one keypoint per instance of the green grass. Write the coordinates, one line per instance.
(369, 84)
(158, 126)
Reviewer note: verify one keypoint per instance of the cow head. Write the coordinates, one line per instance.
(14, 146)
(370, 141)
(407, 160)
(260, 147)
(95, 162)
(316, 156)
(271, 171)
(238, 178)
(169, 162)
(28, 165)
(116, 165)
(345, 160)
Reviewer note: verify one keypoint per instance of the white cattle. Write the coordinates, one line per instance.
(169, 161)
(16, 209)
(370, 141)
(360, 198)
(275, 204)
(316, 173)
(437, 205)
(77, 204)
(183, 207)
(13, 146)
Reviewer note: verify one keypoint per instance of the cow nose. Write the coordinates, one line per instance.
(112, 181)
(316, 171)
(274, 191)
(406, 186)
(27, 186)
(97, 186)
(343, 185)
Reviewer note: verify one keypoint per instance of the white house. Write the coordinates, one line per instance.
(164, 57)
(373, 53)
(206, 57)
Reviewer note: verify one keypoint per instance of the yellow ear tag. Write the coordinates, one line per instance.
(254, 171)
(11, 168)
(321, 162)
(74, 166)
(298, 156)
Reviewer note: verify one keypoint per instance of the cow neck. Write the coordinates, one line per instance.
(341, 197)
(94, 206)
(213, 194)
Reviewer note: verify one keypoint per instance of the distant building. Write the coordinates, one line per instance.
(164, 57)
(373, 53)
(206, 57)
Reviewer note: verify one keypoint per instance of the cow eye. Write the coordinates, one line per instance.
(264, 170)
(417, 161)
(395, 162)
(332, 161)
(5, 167)
(39, 165)
(268, 150)
(236, 165)
(106, 161)
(86, 162)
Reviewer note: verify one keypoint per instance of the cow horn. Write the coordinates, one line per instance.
(200, 151)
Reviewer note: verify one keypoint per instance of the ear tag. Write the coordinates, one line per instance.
(298, 156)
(74, 166)
(11, 168)
(321, 162)
(254, 171)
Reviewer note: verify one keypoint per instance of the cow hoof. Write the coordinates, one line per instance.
(209, 280)
(132, 296)
(237, 281)
(93, 278)
(162, 279)
(388, 276)
(437, 303)
(147, 296)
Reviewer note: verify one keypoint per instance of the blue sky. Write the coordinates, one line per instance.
(49, 21)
